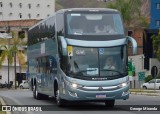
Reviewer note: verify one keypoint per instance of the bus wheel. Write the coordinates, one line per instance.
(109, 103)
(36, 95)
(59, 101)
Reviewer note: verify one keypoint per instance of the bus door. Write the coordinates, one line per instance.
(43, 70)
(52, 71)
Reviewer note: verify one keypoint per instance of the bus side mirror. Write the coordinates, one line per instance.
(63, 45)
(134, 44)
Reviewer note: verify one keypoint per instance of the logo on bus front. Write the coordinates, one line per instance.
(100, 88)
(80, 52)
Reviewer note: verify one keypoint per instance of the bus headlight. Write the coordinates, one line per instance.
(73, 85)
(124, 84)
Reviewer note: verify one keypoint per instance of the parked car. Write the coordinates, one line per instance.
(151, 84)
(24, 85)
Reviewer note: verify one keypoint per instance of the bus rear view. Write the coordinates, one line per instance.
(92, 57)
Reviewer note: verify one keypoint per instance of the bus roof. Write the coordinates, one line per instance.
(88, 9)
(77, 9)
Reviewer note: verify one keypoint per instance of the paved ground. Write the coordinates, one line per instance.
(24, 97)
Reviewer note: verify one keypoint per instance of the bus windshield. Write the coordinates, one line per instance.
(92, 62)
(94, 24)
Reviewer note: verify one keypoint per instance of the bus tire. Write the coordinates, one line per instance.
(109, 103)
(36, 95)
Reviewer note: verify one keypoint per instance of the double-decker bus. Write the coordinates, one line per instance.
(80, 55)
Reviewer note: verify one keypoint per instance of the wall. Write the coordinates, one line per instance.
(43, 8)
(155, 14)
(138, 61)
(4, 74)
(137, 34)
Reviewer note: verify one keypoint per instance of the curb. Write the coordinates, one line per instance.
(149, 94)
(3, 103)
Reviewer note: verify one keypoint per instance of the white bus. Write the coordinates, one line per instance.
(80, 55)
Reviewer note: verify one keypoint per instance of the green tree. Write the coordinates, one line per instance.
(130, 11)
(58, 5)
(13, 48)
(18, 43)
(6, 53)
(156, 45)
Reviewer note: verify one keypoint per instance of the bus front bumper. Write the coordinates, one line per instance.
(72, 94)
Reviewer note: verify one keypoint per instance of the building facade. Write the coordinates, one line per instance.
(155, 14)
(19, 16)
(26, 9)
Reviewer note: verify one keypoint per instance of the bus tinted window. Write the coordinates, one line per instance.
(94, 24)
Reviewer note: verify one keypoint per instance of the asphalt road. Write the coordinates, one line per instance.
(24, 97)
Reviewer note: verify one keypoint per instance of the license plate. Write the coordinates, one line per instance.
(101, 96)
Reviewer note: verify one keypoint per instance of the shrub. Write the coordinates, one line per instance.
(148, 78)
(158, 76)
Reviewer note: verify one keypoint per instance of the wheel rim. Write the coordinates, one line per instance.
(34, 92)
(57, 97)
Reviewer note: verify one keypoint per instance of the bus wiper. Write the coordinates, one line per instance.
(78, 33)
(112, 70)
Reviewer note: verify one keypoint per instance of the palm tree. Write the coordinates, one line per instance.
(156, 45)
(8, 52)
(18, 54)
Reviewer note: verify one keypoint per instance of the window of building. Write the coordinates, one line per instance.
(48, 5)
(11, 5)
(0, 77)
(158, 23)
(38, 5)
(20, 5)
(130, 33)
(29, 6)
(158, 5)
(38, 15)
(10, 14)
(1, 4)
(0, 13)
(21, 34)
(20, 15)
(29, 15)
(48, 15)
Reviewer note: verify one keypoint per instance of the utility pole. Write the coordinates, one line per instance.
(15, 69)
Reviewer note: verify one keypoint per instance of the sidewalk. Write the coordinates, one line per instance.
(145, 92)
(3, 104)
(2, 89)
